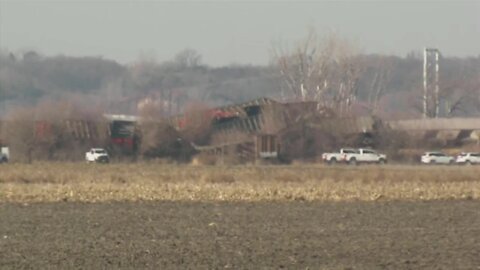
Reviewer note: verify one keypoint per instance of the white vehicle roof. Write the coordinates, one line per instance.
(469, 153)
(437, 154)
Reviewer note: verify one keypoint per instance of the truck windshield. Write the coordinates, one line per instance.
(99, 151)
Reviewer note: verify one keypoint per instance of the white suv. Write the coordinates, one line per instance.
(4, 154)
(468, 158)
(97, 155)
(436, 158)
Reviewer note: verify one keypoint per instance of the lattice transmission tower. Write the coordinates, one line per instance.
(431, 91)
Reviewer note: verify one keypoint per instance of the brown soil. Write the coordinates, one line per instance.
(262, 235)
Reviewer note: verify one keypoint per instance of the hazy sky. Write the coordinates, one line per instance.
(226, 32)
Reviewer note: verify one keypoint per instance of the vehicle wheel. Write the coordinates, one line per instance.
(352, 161)
(382, 161)
(103, 160)
(450, 162)
(332, 161)
(432, 162)
(468, 163)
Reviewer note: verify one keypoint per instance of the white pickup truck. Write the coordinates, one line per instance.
(333, 158)
(4, 154)
(97, 155)
(365, 156)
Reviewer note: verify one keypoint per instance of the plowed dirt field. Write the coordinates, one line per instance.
(241, 235)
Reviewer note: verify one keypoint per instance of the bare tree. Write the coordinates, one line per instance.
(461, 97)
(378, 86)
(197, 123)
(53, 130)
(349, 70)
(151, 109)
(159, 139)
(188, 58)
(304, 69)
(325, 70)
(20, 134)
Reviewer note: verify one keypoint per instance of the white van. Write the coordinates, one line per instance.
(4, 154)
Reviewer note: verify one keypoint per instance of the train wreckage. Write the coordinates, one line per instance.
(256, 130)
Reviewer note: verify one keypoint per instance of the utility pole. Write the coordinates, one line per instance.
(431, 90)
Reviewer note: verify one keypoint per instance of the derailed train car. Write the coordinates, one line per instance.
(68, 138)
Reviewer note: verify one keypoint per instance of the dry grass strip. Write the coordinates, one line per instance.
(50, 182)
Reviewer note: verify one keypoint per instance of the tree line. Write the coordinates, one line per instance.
(330, 70)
